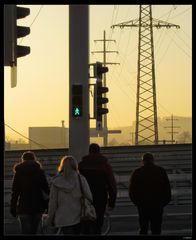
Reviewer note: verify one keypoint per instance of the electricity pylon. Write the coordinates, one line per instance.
(146, 106)
(172, 128)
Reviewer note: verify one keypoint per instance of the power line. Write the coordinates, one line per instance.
(34, 20)
(36, 15)
(182, 12)
(26, 137)
(115, 9)
(168, 46)
(180, 47)
(160, 35)
(168, 13)
(190, 48)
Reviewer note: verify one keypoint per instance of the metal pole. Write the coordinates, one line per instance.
(78, 74)
(156, 139)
(105, 136)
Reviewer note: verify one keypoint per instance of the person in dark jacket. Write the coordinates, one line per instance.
(99, 175)
(27, 201)
(150, 191)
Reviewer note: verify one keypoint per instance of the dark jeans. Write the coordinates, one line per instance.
(150, 216)
(71, 230)
(100, 210)
(89, 228)
(29, 223)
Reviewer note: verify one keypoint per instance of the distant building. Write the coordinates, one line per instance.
(48, 137)
(7, 146)
(16, 145)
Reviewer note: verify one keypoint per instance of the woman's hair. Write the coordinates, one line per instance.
(28, 156)
(72, 162)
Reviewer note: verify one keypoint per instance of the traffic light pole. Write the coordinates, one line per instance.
(104, 40)
(78, 74)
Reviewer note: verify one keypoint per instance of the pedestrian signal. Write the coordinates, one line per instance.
(77, 101)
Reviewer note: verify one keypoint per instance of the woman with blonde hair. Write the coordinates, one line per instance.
(64, 204)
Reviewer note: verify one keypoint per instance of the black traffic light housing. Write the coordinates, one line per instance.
(12, 32)
(22, 31)
(77, 95)
(100, 98)
(99, 70)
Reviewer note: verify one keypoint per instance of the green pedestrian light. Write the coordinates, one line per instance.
(77, 101)
(77, 112)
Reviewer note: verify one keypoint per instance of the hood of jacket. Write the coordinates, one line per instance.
(67, 179)
(65, 184)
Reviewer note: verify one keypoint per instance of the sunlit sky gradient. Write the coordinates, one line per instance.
(41, 97)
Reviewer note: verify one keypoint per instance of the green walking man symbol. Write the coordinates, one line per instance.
(77, 112)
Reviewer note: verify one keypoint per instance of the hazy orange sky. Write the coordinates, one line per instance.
(41, 96)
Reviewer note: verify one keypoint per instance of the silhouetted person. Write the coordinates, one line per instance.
(65, 194)
(150, 191)
(27, 200)
(98, 172)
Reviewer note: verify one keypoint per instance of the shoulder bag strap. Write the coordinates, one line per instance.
(81, 188)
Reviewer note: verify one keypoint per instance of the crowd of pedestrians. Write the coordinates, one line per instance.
(33, 196)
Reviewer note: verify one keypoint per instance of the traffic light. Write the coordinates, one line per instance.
(99, 70)
(12, 32)
(101, 100)
(9, 35)
(22, 31)
(77, 93)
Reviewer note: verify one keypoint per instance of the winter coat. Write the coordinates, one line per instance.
(64, 204)
(28, 182)
(149, 186)
(98, 172)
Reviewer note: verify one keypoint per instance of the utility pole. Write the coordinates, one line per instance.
(63, 134)
(104, 40)
(78, 80)
(132, 133)
(172, 128)
(146, 106)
